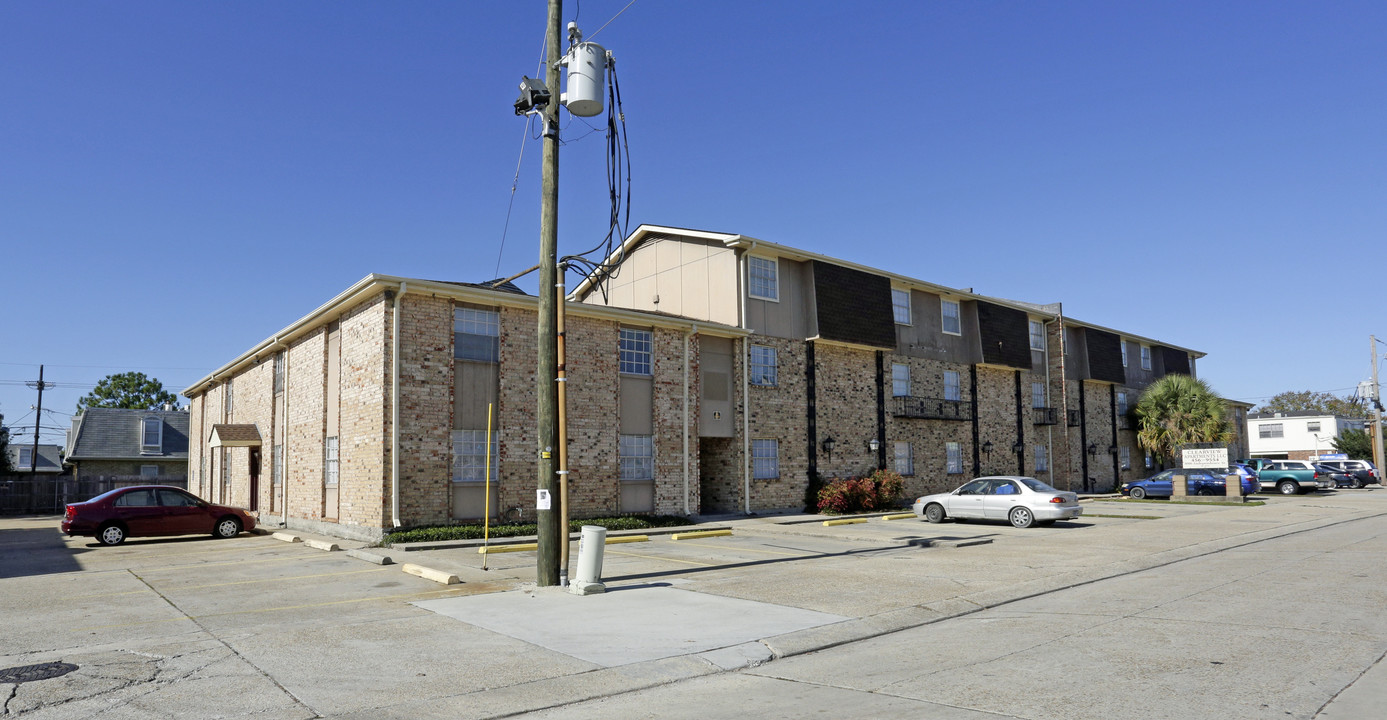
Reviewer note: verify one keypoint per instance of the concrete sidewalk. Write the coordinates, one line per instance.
(663, 626)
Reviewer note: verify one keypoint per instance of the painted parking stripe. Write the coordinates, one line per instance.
(270, 580)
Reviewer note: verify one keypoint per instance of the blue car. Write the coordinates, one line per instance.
(1197, 482)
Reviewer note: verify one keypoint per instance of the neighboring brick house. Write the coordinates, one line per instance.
(301, 427)
(850, 368)
(116, 442)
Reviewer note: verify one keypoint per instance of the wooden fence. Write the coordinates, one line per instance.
(30, 494)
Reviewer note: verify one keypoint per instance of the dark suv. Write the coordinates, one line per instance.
(1361, 471)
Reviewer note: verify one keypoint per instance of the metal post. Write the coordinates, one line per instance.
(1377, 413)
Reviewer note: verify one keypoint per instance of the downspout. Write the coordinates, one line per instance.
(284, 465)
(746, 389)
(395, 408)
(692, 331)
(1050, 431)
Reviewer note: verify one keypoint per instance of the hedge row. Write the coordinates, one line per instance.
(435, 533)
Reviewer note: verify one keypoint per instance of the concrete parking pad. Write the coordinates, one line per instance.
(628, 624)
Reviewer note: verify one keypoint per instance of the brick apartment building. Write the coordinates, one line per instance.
(711, 373)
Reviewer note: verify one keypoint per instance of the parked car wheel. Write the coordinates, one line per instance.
(227, 527)
(1138, 493)
(111, 534)
(934, 513)
(1357, 483)
(1021, 517)
(1288, 488)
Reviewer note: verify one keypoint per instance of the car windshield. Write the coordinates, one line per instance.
(1036, 485)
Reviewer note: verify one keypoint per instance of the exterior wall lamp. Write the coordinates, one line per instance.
(987, 448)
(828, 445)
(1092, 449)
(874, 444)
(1018, 447)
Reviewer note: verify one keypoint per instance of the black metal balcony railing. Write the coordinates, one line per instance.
(1075, 418)
(932, 408)
(1044, 416)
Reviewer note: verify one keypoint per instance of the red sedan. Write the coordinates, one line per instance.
(151, 510)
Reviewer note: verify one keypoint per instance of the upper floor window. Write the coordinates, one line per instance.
(229, 397)
(635, 348)
(152, 434)
(900, 380)
(476, 334)
(949, 317)
(1145, 357)
(1037, 335)
(1123, 344)
(952, 390)
(1122, 403)
(1312, 426)
(900, 306)
(764, 280)
(1037, 395)
(1270, 430)
(279, 372)
(763, 365)
(26, 457)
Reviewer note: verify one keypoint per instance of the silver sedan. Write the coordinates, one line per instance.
(1022, 501)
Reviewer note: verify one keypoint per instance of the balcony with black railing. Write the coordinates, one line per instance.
(1044, 416)
(910, 406)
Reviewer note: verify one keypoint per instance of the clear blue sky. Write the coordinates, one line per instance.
(178, 180)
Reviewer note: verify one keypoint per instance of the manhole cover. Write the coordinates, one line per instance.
(30, 673)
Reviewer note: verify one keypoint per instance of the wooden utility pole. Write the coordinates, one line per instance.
(1377, 413)
(38, 420)
(549, 536)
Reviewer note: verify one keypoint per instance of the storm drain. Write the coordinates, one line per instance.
(30, 673)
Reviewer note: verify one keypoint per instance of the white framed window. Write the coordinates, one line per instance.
(1312, 426)
(637, 455)
(279, 372)
(1042, 461)
(765, 458)
(1121, 403)
(1123, 344)
(1124, 456)
(900, 306)
(149, 471)
(900, 380)
(635, 348)
(905, 463)
(952, 389)
(476, 334)
(1271, 430)
(764, 278)
(948, 310)
(1037, 395)
(953, 458)
(763, 366)
(26, 457)
(330, 468)
(277, 466)
(1037, 335)
(470, 456)
(152, 434)
(1145, 357)
(229, 397)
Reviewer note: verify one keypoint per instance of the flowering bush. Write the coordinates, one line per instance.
(878, 491)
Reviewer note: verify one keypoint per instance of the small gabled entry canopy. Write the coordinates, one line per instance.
(235, 436)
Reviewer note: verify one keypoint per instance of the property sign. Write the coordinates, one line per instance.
(1204, 457)
(1333, 456)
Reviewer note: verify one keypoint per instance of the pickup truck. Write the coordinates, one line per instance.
(1289, 477)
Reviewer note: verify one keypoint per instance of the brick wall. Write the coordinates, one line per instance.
(927, 437)
(669, 392)
(593, 424)
(780, 413)
(306, 427)
(515, 413)
(362, 491)
(846, 401)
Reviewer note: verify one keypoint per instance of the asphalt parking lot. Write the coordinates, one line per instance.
(195, 627)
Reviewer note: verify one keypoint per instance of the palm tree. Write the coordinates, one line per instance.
(1177, 410)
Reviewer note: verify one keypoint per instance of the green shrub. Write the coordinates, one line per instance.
(878, 491)
(475, 531)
